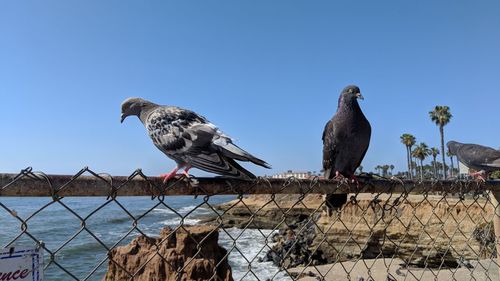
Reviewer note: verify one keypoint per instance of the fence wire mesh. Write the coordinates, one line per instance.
(266, 229)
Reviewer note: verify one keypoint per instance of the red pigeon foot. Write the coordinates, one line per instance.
(481, 175)
(170, 175)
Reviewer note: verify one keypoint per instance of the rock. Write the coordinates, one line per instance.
(188, 253)
(370, 226)
(268, 212)
(293, 247)
(484, 234)
(420, 230)
(405, 227)
(300, 275)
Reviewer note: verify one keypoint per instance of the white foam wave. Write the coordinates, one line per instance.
(245, 253)
(184, 210)
(177, 221)
(163, 211)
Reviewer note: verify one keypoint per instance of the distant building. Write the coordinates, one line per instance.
(462, 169)
(295, 174)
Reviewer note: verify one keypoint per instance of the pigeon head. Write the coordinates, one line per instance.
(453, 146)
(134, 106)
(351, 92)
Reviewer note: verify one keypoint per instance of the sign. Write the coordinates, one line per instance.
(21, 264)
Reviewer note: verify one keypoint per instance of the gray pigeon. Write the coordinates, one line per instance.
(345, 141)
(483, 159)
(190, 140)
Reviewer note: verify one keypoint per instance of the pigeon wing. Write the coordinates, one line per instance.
(329, 149)
(367, 137)
(330, 153)
(478, 155)
(494, 164)
(214, 152)
(168, 136)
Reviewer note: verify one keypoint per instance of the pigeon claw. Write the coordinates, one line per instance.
(355, 180)
(173, 173)
(170, 175)
(185, 172)
(480, 176)
(166, 177)
(341, 178)
(338, 176)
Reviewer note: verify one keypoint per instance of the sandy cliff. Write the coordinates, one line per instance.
(432, 230)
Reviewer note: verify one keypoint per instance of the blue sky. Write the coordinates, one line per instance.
(268, 73)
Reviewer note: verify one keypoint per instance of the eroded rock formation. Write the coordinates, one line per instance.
(189, 253)
(424, 231)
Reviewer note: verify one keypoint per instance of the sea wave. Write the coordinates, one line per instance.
(183, 210)
(119, 219)
(177, 221)
(245, 253)
(201, 210)
(162, 211)
(84, 247)
(186, 209)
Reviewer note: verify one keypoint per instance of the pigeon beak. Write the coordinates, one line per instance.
(359, 96)
(122, 118)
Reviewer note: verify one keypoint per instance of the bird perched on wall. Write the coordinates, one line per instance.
(190, 140)
(345, 141)
(481, 158)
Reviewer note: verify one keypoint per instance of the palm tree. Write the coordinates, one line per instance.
(434, 152)
(378, 168)
(441, 116)
(414, 163)
(421, 152)
(384, 168)
(392, 168)
(449, 154)
(408, 140)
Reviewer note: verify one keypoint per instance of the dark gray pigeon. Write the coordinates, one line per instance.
(190, 140)
(483, 159)
(345, 141)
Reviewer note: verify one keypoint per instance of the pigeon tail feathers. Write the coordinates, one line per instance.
(328, 174)
(219, 164)
(229, 149)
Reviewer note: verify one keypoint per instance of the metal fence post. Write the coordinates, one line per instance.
(496, 221)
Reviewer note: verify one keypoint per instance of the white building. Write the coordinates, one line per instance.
(296, 174)
(462, 169)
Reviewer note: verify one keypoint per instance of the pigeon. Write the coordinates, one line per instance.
(483, 159)
(345, 141)
(190, 140)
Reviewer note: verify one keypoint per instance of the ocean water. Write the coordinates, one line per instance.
(59, 226)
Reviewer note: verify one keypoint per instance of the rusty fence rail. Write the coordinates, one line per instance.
(95, 226)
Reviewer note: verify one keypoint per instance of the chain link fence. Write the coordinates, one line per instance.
(94, 226)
